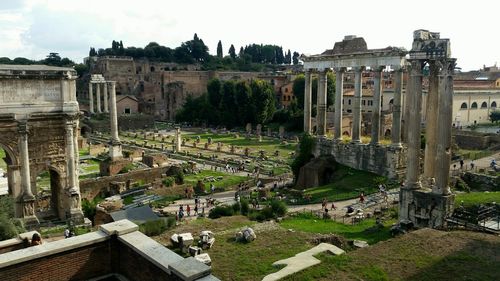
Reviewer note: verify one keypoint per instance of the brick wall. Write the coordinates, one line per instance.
(79, 264)
(135, 267)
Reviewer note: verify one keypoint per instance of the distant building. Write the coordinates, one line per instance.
(126, 104)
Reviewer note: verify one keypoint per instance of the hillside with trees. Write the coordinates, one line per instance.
(253, 57)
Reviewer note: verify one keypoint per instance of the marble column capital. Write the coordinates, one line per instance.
(340, 69)
(22, 128)
(416, 67)
(377, 68)
(359, 69)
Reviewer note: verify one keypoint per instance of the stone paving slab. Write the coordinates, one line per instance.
(302, 261)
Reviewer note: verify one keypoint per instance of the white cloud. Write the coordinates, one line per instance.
(33, 28)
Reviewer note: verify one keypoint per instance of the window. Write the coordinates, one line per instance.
(127, 110)
(363, 102)
(286, 90)
(370, 103)
(494, 104)
(484, 105)
(473, 105)
(349, 101)
(463, 106)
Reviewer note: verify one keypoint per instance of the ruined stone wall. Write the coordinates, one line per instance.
(382, 160)
(90, 188)
(473, 140)
(482, 181)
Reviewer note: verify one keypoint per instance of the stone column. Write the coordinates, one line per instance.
(431, 121)
(358, 95)
(28, 200)
(115, 150)
(396, 108)
(339, 88)
(76, 126)
(377, 99)
(307, 102)
(178, 142)
(321, 114)
(98, 97)
(70, 154)
(445, 120)
(414, 94)
(106, 107)
(91, 98)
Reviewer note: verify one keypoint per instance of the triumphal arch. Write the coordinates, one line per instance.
(38, 130)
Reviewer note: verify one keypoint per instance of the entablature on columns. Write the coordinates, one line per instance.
(322, 62)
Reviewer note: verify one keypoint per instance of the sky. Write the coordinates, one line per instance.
(34, 28)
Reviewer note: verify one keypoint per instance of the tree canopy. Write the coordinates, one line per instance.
(231, 103)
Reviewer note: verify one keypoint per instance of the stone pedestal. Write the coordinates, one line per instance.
(424, 208)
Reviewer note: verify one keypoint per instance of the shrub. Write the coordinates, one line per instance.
(279, 208)
(126, 169)
(244, 207)
(7, 228)
(156, 227)
(221, 211)
(168, 181)
(236, 207)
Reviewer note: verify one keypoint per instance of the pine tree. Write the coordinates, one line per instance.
(219, 49)
(232, 51)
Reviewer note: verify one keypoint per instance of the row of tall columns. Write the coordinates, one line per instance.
(98, 86)
(377, 104)
(438, 126)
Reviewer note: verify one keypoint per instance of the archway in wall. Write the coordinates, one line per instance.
(9, 186)
(48, 189)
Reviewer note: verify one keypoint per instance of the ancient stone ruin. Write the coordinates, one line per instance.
(38, 130)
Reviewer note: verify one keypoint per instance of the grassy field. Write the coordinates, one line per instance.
(348, 183)
(474, 154)
(3, 165)
(475, 198)
(233, 260)
(361, 231)
(422, 255)
(227, 180)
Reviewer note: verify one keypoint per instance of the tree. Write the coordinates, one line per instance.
(81, 69)
(495, 116)
(232, 51)
(241, 53)
(263, 98)
(288, 57)
(92, 52)
(219, 49)
(295, 58)
(305, 154)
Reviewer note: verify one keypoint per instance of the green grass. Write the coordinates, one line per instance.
(59, 231)
(348, 183)
(233, 260)
(474, 154)
(3, 165)
(476, 198)
(227, 181)
(165, 201)
(360, 231)
(83, 152)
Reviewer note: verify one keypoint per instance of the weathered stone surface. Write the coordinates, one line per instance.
(189, 269)
(301, 261)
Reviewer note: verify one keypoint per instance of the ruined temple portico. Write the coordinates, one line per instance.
(352, 54)
(426, 200)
